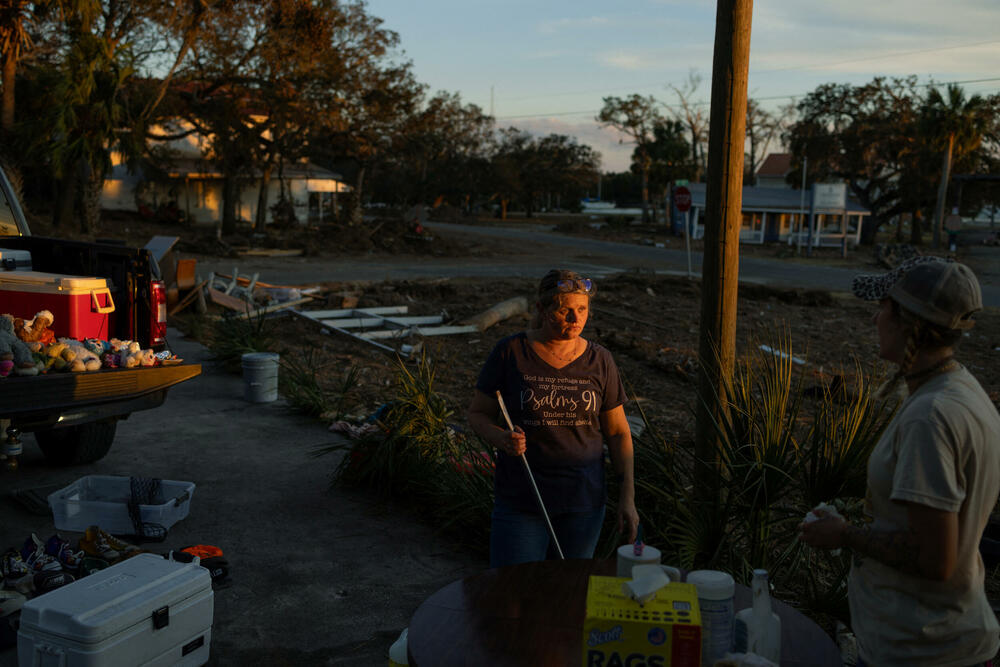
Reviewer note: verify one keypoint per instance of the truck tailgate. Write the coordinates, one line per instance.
(66, 398)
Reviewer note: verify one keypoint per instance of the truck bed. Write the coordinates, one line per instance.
(42, 401)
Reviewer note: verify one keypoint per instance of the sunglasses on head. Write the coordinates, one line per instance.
(585, 285)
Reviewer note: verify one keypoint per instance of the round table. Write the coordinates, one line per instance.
(532, 614)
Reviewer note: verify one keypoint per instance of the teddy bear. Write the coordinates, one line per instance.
(37, 330)
(14, 349)
(128, 352)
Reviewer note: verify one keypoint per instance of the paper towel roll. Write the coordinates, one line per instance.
(627, 558)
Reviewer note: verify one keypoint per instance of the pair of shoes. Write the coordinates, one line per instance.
(16, 573)
(59, 548)
(35, 557)
(95, 542)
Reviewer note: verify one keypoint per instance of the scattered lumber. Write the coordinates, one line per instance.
(272, 252)
(498, 313)
(188, 299)
(273, 308)
(228, 302)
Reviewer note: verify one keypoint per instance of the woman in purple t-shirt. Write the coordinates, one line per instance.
(566, 400)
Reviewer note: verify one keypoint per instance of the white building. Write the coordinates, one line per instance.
(193, 183)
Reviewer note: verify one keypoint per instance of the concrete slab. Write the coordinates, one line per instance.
(320, 576)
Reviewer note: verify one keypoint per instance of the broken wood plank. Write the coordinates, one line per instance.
(272, 252)
(498, 313)
(347, 312)
(420, 331)
(229, 302)
(399, 322)
(188, 298)
(185, 273)
(273, 308)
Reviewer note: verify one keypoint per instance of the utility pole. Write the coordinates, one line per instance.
(723, 214)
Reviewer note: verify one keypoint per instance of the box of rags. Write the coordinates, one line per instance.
(617, 631)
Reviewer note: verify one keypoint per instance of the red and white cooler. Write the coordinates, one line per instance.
(81, 306)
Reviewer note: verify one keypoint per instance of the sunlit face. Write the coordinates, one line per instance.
(567, 316)
(891, 333)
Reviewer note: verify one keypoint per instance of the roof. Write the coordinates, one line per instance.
(775, 164)
(197, 168)
(769, 199)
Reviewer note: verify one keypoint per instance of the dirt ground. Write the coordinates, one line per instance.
(649, 322)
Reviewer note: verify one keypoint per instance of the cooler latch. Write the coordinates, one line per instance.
(161, 618)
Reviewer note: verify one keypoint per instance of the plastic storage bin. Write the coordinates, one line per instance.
(15, 260)
(142, 611)
(102, 500)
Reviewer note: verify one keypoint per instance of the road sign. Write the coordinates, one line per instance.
(682, 199)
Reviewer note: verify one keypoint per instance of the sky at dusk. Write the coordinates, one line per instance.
(550, 63)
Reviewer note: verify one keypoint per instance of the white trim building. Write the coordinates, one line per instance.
(772, 214)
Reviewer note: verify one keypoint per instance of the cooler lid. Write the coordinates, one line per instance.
(107, 602)
(55, 281)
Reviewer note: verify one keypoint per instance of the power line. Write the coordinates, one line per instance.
(757, 99)
(896, 54)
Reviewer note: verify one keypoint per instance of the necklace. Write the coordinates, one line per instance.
(942, 366)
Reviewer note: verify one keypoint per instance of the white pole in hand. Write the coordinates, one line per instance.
(527, 468)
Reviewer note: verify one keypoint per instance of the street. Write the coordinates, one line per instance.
(539, 252)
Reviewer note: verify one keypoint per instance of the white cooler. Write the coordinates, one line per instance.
(142, 611)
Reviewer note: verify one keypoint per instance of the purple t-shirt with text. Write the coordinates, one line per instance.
(559, 410)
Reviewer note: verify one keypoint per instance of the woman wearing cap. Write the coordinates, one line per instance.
(916, 585)
(565, 399)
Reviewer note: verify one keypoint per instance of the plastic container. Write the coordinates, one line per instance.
(397, 652)
(81, 306)
(758, 629)
(260, 377)
(102, 500)
(15, 260)
(716, 598)
(145, 610)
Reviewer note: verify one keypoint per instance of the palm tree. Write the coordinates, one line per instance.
(955, 126)
(15, 18)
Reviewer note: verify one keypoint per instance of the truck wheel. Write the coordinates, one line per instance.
(76, 445)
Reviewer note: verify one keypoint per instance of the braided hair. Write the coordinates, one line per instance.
(921, 335)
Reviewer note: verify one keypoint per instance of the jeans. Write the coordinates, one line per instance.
(523, 537)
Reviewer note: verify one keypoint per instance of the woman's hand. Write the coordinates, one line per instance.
(827, 532)
(628, 518)
(512, 443)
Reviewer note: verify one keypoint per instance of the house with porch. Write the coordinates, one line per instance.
(192, 182)
(772, 214)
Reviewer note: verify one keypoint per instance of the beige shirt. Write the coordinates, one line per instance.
(941, 450)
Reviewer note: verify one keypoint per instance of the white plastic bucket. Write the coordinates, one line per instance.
(260, 377)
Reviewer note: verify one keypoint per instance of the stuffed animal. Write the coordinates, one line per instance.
(83, 359)
(10, 344)
(97, 346)
(37, 330)
(147, 358)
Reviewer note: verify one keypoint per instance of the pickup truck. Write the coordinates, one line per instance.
(74, 415)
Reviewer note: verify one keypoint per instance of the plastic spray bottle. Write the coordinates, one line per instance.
(757, 628)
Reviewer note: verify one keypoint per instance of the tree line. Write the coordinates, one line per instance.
(264, 84)
(270, 83)
(895, 143)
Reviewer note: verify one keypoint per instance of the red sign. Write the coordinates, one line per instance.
(682, 199)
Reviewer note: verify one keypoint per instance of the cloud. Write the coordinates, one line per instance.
(629, 61)
(562, 25)
(615, 155)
